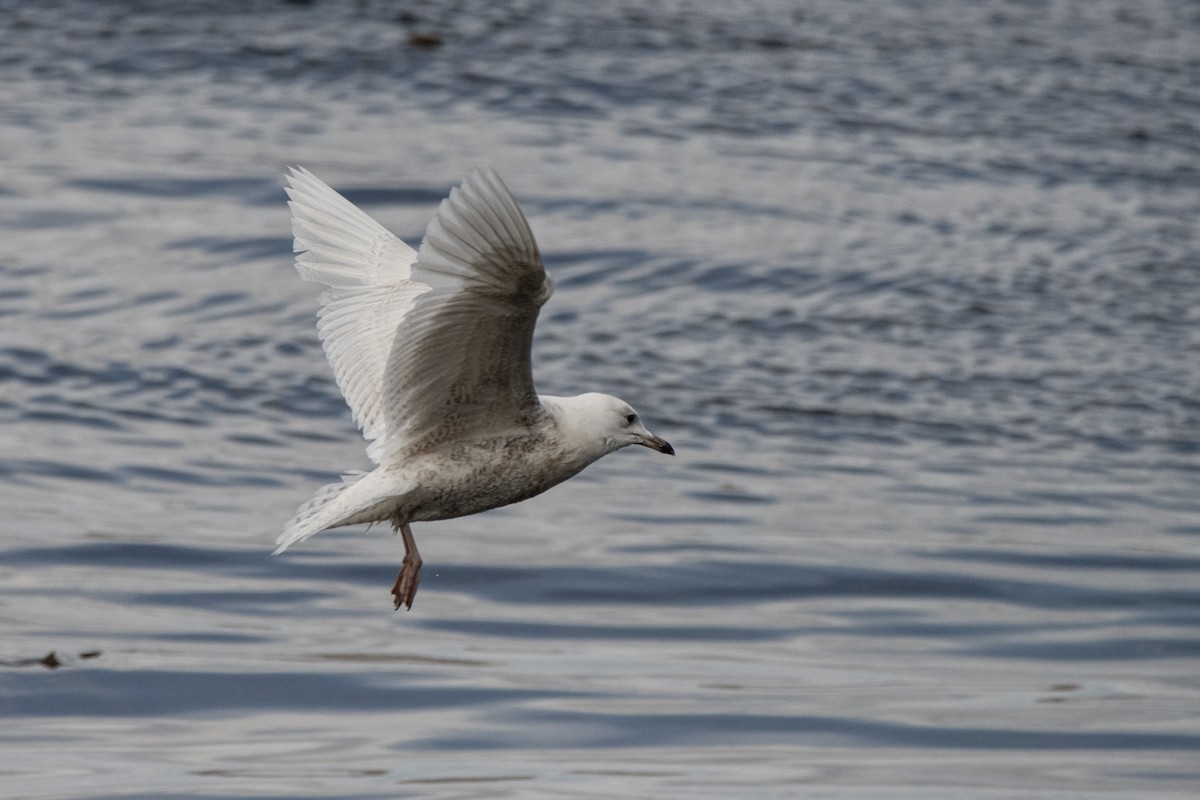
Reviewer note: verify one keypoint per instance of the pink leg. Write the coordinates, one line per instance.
(405, 588)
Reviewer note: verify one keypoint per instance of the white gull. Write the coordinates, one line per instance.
(431, 349)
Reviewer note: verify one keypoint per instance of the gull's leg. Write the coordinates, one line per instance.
(405, 588)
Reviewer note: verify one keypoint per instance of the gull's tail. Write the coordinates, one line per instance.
(359, 497)
(311, 517)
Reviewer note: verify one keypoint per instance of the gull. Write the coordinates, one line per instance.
(431, 349)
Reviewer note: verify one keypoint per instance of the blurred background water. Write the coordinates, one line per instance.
(912, 287)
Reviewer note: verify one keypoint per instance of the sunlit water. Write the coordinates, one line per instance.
(913, 288)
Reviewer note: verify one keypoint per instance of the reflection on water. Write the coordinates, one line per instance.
(912, 288)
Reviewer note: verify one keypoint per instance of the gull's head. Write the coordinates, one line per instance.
(605, 423)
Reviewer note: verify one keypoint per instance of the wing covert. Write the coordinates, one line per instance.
(461, 362)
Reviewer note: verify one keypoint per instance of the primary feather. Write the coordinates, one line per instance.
(369, 272)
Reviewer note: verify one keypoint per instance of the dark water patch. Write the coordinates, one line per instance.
(147, 442)
(79, 418)
(162, 343)
(1186, 777)
(107, 394)
(258, 311)
(150, 298)
(645, 204)
(203, 637)
(40, 368)
(48, 219)
(134, 554)
(950, 635)
(733, 495)
(250, 603)
(679, 548)
(307, 396)
(239, 476)
(730, 582)
(210, 302)
(555, 728)
(321, 569)
(154, 474)
(1114, 648)
(98, 692)
(663, 633)
(314, 436)
(91, 310)
(254, 440)
(180, 382)
(732, 468)
(938, 495)
(1124, 562)
(241, 250)
(398, 658)
(183, 420)
(21, 471)
(405, 196)
(579, 268)
(651, 520)
(16, 297)
(1063, 520)
(563, 258)
(159, 794)
(735, 278)
(250, 190)
(22, 356)
(1168, 617)
(88, 292)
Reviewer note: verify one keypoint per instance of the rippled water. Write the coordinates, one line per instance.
(913, 288)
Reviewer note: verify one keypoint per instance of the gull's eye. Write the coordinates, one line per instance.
(630, 418)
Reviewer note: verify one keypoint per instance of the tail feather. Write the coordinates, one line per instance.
(314, 516)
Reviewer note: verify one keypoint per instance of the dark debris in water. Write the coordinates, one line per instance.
(51, 660)
(425, 40)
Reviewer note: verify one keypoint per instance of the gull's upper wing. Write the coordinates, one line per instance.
(460, 364)
(369, 272)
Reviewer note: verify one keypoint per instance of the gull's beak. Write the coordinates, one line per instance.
(655, 443)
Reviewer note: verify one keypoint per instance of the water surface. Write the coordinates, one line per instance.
(912, 287)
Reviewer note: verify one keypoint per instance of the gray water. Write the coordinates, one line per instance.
(912, 287)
